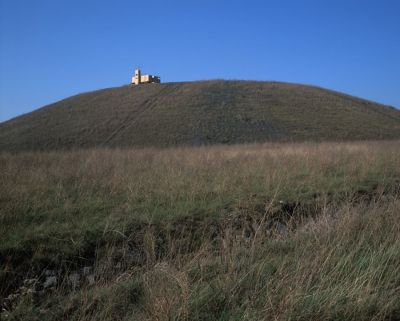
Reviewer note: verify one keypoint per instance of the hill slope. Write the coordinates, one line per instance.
(199, 113)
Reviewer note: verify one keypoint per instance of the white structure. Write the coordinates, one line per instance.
(138, 79)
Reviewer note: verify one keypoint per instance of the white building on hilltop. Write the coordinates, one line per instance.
(138, 79)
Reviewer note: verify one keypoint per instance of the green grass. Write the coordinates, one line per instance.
(299, 231)
(199, 113)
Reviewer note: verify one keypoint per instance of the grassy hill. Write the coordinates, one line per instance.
(199, 113)
(297, 231)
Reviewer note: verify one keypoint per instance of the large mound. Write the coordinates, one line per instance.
(199, 113)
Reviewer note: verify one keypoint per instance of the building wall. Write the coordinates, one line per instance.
(139, 79)
(136, 80)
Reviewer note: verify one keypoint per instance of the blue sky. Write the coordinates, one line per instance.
(50, 50)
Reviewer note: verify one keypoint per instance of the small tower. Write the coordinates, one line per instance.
(136, 79)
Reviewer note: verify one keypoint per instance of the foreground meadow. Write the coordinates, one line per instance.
(300, 231)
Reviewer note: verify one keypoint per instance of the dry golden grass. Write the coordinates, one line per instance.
(255, 232)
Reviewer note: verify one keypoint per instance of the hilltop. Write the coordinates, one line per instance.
(199, 113)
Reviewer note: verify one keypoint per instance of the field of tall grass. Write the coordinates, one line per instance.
(297, 231)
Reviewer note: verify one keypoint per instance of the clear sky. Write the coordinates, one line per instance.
(53, 49)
